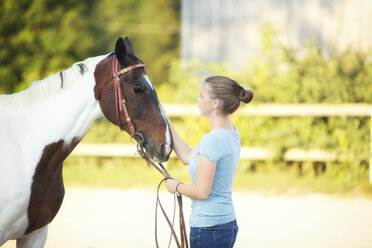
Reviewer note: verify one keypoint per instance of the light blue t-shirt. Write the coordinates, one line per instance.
(222, 147)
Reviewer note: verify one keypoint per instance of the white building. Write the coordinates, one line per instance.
(227, 31)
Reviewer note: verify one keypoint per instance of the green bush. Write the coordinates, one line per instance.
(277, 76)
(39, 38)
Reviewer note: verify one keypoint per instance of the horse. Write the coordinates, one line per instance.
(41, 125)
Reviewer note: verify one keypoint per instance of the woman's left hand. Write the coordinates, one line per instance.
(171, 184)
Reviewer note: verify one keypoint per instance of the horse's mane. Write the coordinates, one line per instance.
(52, 84)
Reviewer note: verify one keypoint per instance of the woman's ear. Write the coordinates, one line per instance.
(216, 103)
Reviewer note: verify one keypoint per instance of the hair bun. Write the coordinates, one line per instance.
(245, 96)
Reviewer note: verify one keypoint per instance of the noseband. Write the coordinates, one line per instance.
(119, 94)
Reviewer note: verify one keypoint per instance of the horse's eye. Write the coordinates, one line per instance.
(138, 90)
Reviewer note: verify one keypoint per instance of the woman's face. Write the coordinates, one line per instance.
(205, 101)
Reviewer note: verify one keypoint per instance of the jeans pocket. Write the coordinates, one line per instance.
(194, 238)
(225, 238)
(201, 238)
(222, 238)
(235, 234)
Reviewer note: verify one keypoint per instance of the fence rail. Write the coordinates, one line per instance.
(284, 110)
(251, 153)
(254, 153)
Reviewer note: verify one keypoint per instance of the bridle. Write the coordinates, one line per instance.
(121, 106)
(119, 94)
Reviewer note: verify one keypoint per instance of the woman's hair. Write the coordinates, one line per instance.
(229, 92)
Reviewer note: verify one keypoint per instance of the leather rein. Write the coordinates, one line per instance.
(120, 104)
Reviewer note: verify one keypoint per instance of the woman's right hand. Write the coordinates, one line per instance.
(171, 184)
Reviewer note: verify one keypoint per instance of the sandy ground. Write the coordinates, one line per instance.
(113, 218)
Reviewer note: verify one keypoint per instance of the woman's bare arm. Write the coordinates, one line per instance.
(183, 150)
(204, 180)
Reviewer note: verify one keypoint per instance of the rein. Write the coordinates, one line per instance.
(121, 106)
(164, 172)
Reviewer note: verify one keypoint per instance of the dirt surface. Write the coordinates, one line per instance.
(113, 218)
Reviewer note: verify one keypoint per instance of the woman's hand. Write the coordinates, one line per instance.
(171, 184)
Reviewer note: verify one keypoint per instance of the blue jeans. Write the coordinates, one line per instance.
(220, 236)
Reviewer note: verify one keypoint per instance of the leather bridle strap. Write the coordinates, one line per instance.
(119, 93)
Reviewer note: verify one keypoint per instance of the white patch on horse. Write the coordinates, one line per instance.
(168, 147)
(147, 79)
(40, 115)
(168, 140)
(44, 114)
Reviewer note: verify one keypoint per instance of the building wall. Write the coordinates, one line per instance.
(228, 31)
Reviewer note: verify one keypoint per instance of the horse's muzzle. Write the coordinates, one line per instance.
(160, 156)
(165, 152)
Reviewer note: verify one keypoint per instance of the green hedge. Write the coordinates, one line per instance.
(278, 76)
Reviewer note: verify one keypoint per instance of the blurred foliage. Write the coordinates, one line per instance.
(41, 37)
(278, 76)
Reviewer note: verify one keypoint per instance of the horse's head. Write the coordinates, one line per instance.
(141, 101)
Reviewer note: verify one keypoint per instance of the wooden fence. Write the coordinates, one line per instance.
(254, 153)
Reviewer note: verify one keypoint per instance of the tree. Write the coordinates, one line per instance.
(153, 28)
(41, 37)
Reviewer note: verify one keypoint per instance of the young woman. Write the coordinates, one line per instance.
(212, 165)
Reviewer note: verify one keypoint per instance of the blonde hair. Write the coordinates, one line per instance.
(230, 92)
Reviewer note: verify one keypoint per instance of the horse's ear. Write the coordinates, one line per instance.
(128, 46)
(120, 50)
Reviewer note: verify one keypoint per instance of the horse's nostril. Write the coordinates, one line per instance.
(148, 150)
(166, 149)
